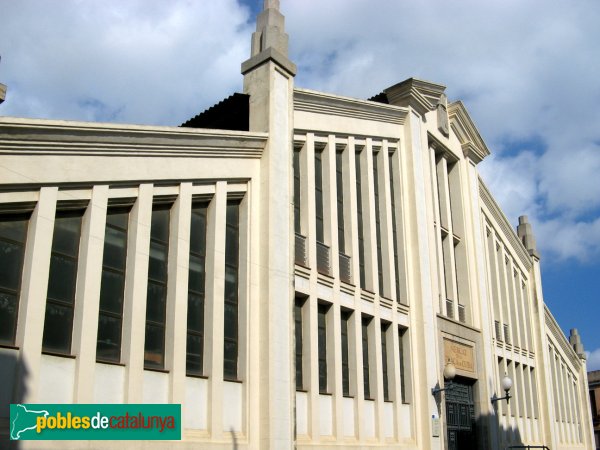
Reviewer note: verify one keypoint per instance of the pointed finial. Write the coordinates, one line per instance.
(575, 341)
(525, 233)
(270, 30)
(271, 4)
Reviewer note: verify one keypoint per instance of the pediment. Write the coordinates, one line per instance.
(465, 130)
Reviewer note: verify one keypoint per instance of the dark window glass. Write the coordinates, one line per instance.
(298, 339)
(230, 356)
(384, 362)
(322, 338)
(156, 297)
(359, 217)
(13, 235)
(394, 230)
(60, 301)
(297, 188)
(319, 195)
(401, 356)
(345, 353)
(340, 201)
(110, 317)
(378, 225)
(365, 351)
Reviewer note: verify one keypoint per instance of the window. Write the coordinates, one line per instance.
(297, 187)
(322, 342)
(298, 339)
(232, 239)
(319, 195)
(156, 300)
(401, 333)
(112, 288)
(340, 201)
(345, 317)
(60, 301)
(359, 218)
(378, 225)
(365, 352)
(196, 280)
(384, 362)
(394, 230)
(13, 235)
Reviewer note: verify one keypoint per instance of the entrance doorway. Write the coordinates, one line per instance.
(460, 416)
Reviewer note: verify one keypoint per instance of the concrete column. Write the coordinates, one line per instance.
(34, 286)
(177, 292)
(214, 307)
(136, 286)
(312, 368)
(308, 161)
(87, 299)
(387, 233)
(334, 363)
(368, 214)
(352, 222)
(330, 205)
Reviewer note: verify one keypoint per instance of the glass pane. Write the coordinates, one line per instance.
(11, 263)
(8, 318)
(115, 249)
(154, 346)
(63, 276)
(196, 278)
(155, 305)
(13, 228)
(231, 246)
(111, 291)
(67, 229)
(109, 338)
(118, 219)
(157, 268)
(233, 210)
(160, 224)
(195, 312)
(231, 320)
(58, 326)
(230, 359)
(231, 288)
(194, 354)
(198, 231)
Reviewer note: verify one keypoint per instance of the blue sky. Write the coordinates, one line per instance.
(526, 71)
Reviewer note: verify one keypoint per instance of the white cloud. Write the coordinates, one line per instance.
(162, 62)
(593, 360)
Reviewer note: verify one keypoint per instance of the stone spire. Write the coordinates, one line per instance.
(525, 233)
(269, 41)
(575, 341)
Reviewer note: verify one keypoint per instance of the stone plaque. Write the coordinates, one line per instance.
(461, 355)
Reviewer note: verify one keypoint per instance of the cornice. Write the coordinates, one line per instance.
(472, 144)
(507, 230)
(422, 96)
(53, 137)
(328, 104)
(554, 329)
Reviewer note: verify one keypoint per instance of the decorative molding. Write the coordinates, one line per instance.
(54, 137)
(553, 329)
(327, 104)
(422, 96)
(507, 230)
(472, 144)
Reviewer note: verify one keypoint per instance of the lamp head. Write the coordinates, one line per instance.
(507, 383)
(449, 371)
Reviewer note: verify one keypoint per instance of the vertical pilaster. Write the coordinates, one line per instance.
(177, 292)
(136, 280)
(34, 286)
(87, 300)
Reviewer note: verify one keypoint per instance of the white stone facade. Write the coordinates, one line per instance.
(368, 250)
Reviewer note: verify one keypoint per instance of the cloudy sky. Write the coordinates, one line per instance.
(528, 72)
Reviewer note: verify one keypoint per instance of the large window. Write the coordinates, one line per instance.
(378, 224)
(359, 218)
(232, 256)
(394, 229)
(60, 301)
(322, 342)
(296, 162)
(298, 341)
(196, 283)
(384, 361)
(110, 318)
(365, 352)
(345, 353)
(401, 355)
(156, 300)
(319, 195)
(13, 235)
(339, 181)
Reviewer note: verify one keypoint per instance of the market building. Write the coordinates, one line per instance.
(297, 269)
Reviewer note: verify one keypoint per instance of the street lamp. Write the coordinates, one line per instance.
(449, 374)
(506, 385)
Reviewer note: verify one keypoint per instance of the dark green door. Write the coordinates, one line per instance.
(460, 417)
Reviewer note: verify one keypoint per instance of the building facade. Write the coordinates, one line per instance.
(297, 269)
(594, 384)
